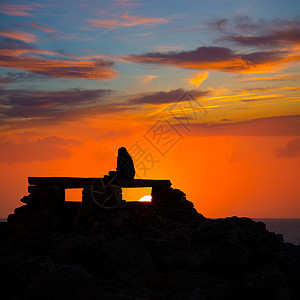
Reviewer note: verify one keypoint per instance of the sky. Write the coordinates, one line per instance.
(203, 93)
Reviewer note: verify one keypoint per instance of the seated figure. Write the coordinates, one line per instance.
(125, 166)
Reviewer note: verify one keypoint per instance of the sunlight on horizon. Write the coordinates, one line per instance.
(146, 199)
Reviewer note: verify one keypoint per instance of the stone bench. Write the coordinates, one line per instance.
(53, 188)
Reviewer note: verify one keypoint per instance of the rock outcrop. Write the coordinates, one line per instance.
(144, 251)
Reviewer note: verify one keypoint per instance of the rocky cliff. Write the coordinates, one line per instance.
(144, 251)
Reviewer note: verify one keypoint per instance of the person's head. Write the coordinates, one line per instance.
(122, 151)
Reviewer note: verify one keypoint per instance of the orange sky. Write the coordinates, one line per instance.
(221, 174)
(208, 90)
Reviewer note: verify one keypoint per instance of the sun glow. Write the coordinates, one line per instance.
(146, 199)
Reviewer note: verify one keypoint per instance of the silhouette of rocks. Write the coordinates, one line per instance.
(125, 167)
(69, 282)
(144, 251)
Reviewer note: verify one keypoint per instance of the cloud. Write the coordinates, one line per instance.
(166, 48)
(48, 30)
(148, 78)
(94, 70)
(19, 35)
(16, 10)
(145, 78)
(217, 58)
(11, 77)
(126, 3)
(50, 99)
(13, 47)
(51, 105)
(43, 149)
(12, 55)
(245, 32)
(197, 79)
(165, 97)
(127, 20)
(269, 126)
(34, 108)
(291, 149)
(281, 37)
(30, 108)
(275, 77)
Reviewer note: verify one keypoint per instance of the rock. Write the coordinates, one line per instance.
(163, 247)
(22, 231)
(125, 167)
(136, 293)
(96, 254)
(9, 258)
(135, 260)
(70, 282)
(291, 267)
(180, 281)
(23, 279)
(196, 294)
(162, 250)
(266, 282)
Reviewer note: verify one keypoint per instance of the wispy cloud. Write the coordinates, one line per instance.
(19, 35)
(16, 10)
(126, 3)
(13, 47)
(166, 48)
(275, 77)
(127, 20)
(145, 78)
(12, 56)
(48, 30)
(245, 32)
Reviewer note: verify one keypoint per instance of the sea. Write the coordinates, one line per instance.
(289, 228)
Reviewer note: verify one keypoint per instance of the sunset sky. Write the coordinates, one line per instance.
(204, 93)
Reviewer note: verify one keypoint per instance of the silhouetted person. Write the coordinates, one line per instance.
(125, 167)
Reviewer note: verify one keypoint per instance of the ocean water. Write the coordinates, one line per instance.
(289, 228)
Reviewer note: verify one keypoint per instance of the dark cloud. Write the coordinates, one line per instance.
(291, 149)
(269, 126)
(246, 32)
(215, 58)
(44, 99)
(12, 77)
(277, 38)
(166, 97)
(241, 23)
(53, 106)
(43, 149)
(12, 44)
